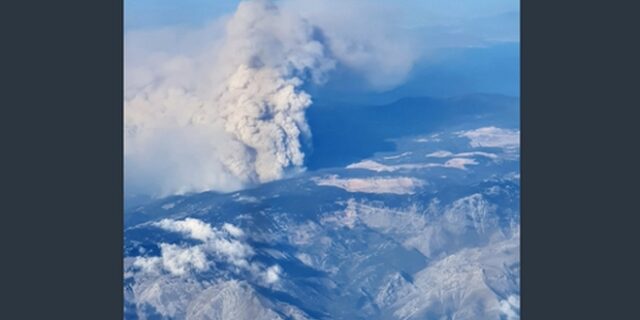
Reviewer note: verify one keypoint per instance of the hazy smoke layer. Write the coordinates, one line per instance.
(224, 113)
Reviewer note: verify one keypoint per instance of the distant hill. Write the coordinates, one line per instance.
(344, 133)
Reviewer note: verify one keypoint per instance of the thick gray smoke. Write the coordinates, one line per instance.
(225, 112)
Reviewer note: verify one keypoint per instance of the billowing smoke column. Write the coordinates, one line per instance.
(268, 52)
(230, 115)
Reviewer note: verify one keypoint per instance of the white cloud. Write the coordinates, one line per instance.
(492, 137)
(147, 264)
(179, 260)
(272, 274)
(227, 244)
(397, 185)
(233, 230)
(510, 307)
(233, 251)
(193, 228)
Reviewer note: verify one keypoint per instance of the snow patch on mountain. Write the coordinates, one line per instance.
(395, 185)
(492, 137)
(371, 165)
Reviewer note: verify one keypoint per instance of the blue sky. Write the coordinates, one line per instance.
(155, 13)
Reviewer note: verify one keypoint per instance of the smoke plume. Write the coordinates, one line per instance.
(225, 112)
